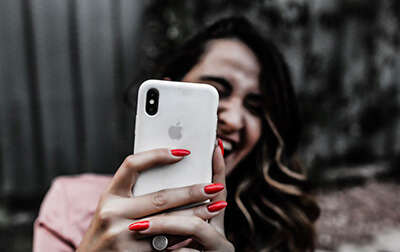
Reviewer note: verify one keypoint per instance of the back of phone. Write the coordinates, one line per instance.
(176, 115)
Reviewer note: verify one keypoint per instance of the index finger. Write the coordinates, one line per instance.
(127, 173)
(219, 177)
(219, 172)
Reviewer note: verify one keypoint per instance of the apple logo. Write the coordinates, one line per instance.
(175, 132)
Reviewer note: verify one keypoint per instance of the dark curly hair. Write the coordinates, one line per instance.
(268, 194)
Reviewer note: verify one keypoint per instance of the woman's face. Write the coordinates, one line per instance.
(233, 69)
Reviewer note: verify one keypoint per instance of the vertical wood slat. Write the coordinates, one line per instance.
(130, 19)
(18, 103)
(63, 67)
(98, 80)
(76, 76)
(55, 89)
(387, 61)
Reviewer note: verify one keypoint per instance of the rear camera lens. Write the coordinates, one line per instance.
(152, 97)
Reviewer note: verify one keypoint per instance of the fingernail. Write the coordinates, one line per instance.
(221, 146)
(217, 206)
(139, 226)
(214, 188)
(180, 152)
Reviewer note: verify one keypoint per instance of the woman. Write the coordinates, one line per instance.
(269, 206)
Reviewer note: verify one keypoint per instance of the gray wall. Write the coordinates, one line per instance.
(64, 68)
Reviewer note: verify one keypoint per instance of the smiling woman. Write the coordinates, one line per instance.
(233, 69)
(269, 204)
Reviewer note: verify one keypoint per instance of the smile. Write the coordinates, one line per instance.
(228, 147)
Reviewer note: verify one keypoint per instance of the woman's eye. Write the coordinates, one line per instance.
(222, 92)
(254, 106)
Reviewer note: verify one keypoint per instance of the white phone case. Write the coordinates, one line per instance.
(186, 119)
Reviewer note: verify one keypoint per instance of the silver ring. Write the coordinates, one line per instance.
(159, 242)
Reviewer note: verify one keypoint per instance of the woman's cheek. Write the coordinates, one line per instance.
(254, 131)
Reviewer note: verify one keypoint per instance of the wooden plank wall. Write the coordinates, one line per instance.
(64, 67)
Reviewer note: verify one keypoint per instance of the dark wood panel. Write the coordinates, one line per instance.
(18, 139)
(64, 68)
(50, 20)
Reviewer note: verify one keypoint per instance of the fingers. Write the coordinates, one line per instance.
(219, 171)
(103, 237)
(127, 173)
(199, 230)
(204, 212)
(185, 250)
(219, 177)
(148, 204)
(178, 240)
(185, 242)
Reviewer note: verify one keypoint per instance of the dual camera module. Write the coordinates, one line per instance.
(152, 98)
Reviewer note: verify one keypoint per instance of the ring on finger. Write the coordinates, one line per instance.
(159, 242)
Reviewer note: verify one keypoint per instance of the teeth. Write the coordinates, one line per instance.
(227, 145)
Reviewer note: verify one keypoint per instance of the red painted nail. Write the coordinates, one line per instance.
(221, 146)
(139, 226)
(214, 188)
(217, 206)
(180, 152)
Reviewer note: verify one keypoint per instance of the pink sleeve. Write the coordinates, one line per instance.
(66, 212)
(50, 227)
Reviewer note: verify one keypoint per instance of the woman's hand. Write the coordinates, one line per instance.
(117, 209)
(202, 235)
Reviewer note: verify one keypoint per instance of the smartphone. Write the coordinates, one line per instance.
(176, 115)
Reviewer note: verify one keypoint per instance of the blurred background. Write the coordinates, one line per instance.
(67, 68)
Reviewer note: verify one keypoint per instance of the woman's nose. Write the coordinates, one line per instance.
(230, 115)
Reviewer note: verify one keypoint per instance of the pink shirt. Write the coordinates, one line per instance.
(66, 212)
